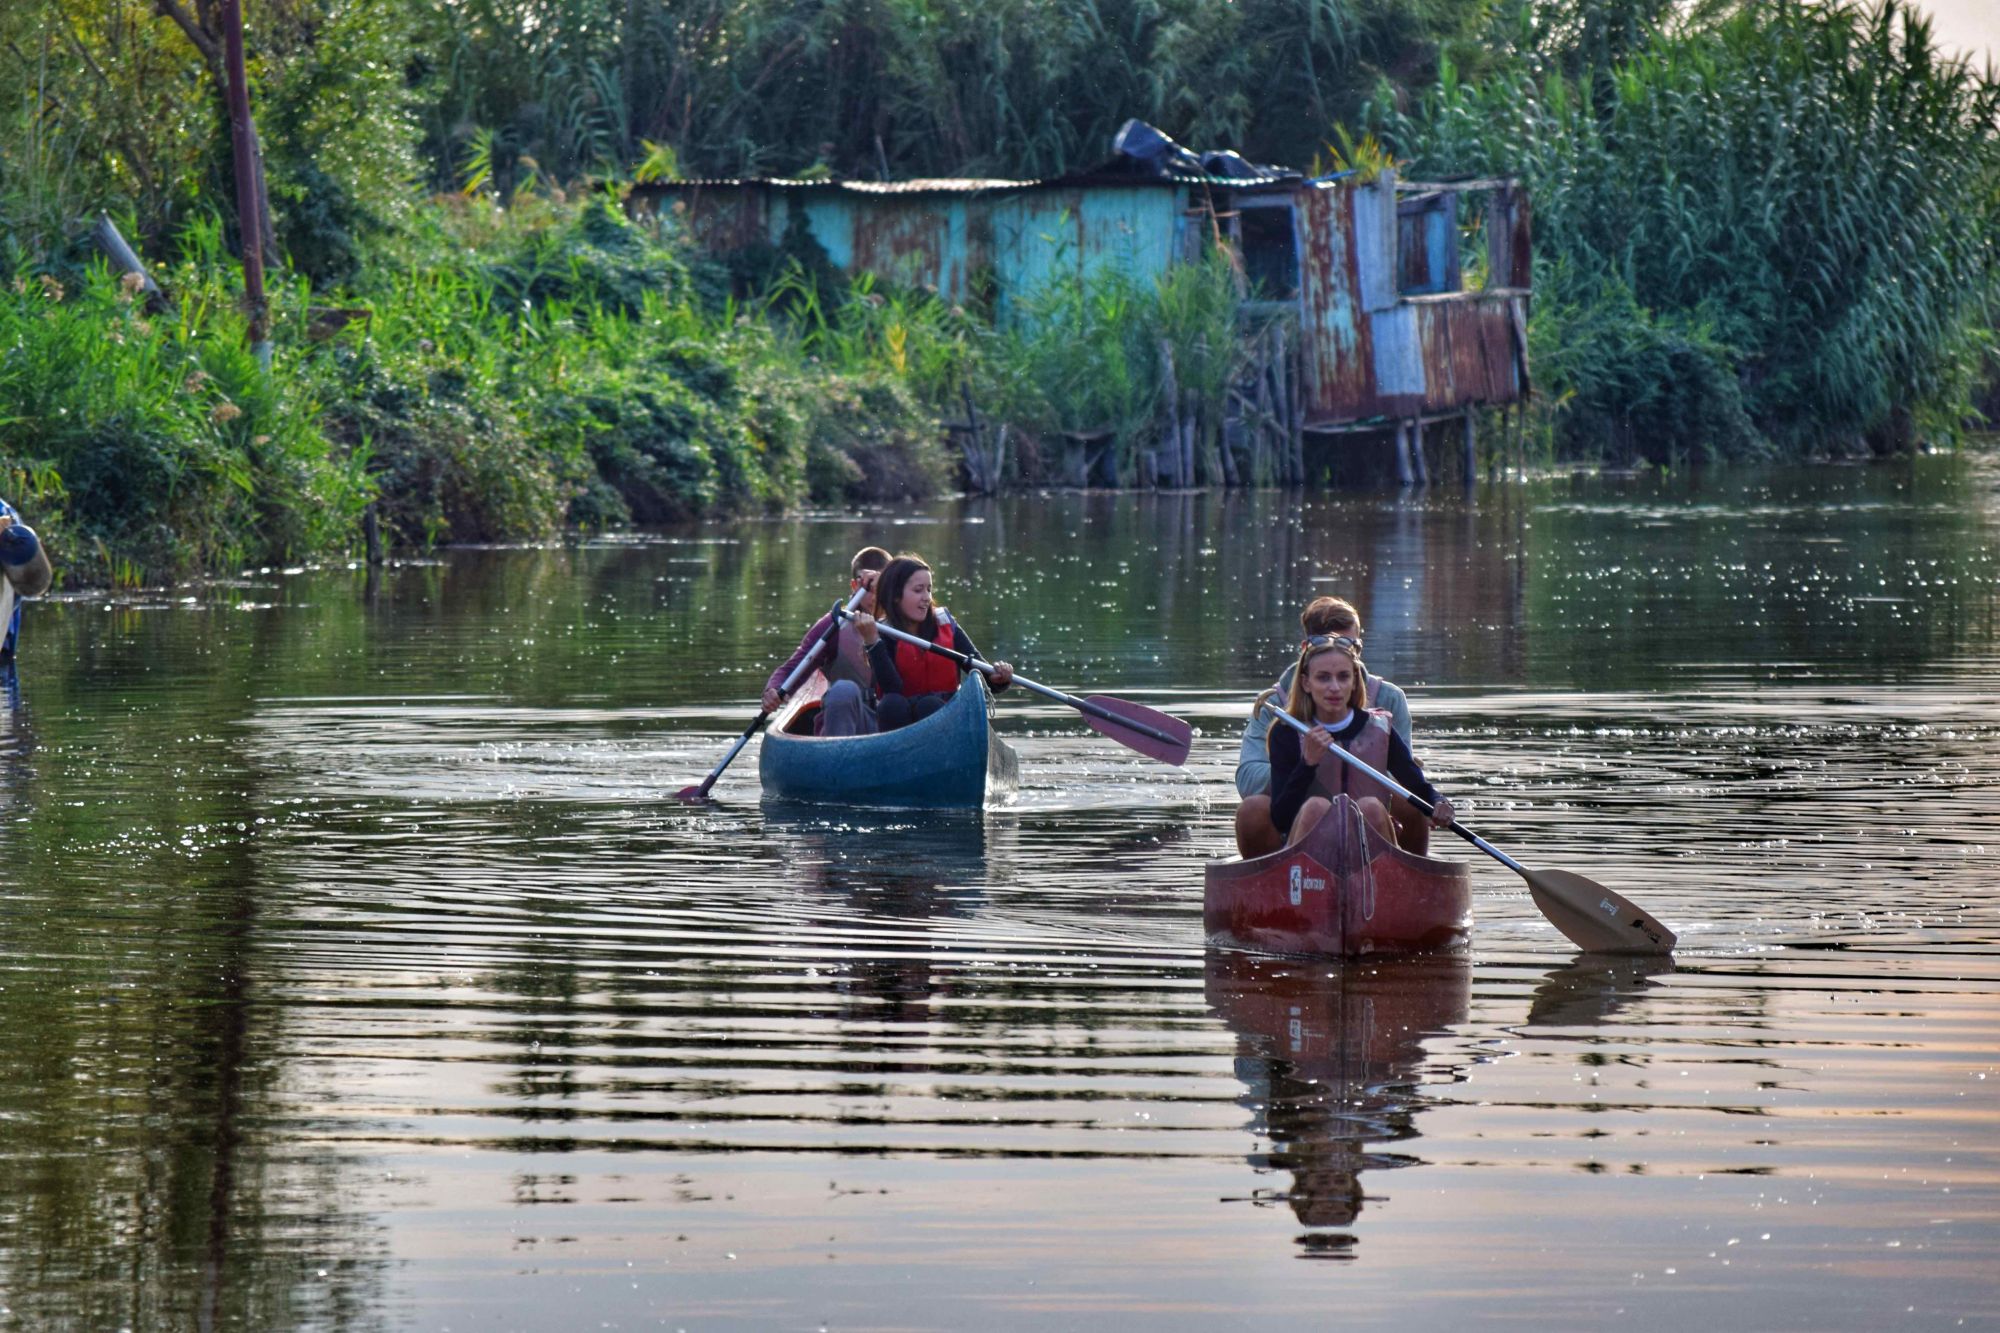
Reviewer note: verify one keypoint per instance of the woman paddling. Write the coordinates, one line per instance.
(1330, 691)
(911, 684)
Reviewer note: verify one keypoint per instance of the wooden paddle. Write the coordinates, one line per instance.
(1152, 733)
(1596, 919)
(807, 665)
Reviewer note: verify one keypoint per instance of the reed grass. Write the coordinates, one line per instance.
(1775, 230)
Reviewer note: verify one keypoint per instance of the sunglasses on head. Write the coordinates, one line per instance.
(1347, 642)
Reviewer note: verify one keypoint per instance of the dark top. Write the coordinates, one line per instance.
(1292, 776)
(882, 658)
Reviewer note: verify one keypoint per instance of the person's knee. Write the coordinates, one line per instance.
(1256, 835)
(841, 694)
(893, 711)
(924, 705)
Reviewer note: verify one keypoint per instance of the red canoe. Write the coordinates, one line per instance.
(1344, 891)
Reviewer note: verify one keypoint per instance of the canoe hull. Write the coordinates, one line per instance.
(1343, 892)
(950, 760)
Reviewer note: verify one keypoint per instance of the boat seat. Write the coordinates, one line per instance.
(805, 722)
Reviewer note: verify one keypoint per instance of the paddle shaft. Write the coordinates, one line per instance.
(1461, 830)
(971, 663)
(806, 666)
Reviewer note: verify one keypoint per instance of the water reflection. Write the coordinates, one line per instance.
(886, 889)
(1331, 1057)
(1593, 989)
(329, 914)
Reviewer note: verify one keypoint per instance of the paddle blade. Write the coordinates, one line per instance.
(695, 795)
(1596, 919)
(1169, 747)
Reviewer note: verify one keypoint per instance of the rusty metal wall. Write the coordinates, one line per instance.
(721, 218)
(1467, 346)
(1336, 348)
(1366, 351)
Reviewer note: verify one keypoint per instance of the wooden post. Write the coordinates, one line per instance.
(1423, 468)
(1471, 450)
(1171, 388)
(249, 212)
(1189, 423)
(1295, 405)
(1404, 476)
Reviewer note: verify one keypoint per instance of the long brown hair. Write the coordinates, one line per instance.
(889, 585)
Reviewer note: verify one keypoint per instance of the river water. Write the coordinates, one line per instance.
(358, 969)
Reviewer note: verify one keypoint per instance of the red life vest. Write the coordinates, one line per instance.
(1371, 747)
(928, 673)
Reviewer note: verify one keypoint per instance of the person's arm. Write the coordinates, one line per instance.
(1003, 674)
(1404, 768)
(821, 627)
(1291, 776)
(1253, 756)
(882, 661)
(1391, 699)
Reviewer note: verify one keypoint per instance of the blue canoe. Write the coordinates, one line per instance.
(950, 759)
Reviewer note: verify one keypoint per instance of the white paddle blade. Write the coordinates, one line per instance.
(1594, 918)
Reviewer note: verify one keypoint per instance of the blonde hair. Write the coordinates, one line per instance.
(1299, 703)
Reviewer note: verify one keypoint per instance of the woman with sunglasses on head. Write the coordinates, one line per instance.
(910, 683)
(1256, 835)
(1329, 693)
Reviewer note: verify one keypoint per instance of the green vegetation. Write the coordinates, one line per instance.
(1770, 232)
(1759, 230)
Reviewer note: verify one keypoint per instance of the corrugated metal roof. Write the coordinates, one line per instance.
(952, 185)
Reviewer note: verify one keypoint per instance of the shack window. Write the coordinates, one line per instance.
(1427, 244)
(1270, 252)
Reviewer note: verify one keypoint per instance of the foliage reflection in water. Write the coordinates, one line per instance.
(357, 968)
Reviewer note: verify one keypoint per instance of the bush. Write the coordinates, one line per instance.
(1794, 207)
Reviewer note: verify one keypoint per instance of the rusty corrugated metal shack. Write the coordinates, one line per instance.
(1389, 336)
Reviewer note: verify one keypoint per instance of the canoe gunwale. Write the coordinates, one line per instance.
(952, 759)
(1388, 901)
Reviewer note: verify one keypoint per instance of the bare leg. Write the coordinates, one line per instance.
(1310, 814)
(1256, 835)
(1377, 816)
(1413, 827)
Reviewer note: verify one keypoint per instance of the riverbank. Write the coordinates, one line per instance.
(555, 368)
(499, 375)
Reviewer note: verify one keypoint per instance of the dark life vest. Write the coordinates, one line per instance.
(1371, 747)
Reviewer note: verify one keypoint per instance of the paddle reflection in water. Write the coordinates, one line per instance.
(1594, 988)
(1331, 1058)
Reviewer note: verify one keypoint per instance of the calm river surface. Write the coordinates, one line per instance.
(358, 969)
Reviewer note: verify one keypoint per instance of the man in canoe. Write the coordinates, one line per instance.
(1256, 834)
(848, 706)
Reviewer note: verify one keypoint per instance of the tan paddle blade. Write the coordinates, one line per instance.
(1595, 919)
